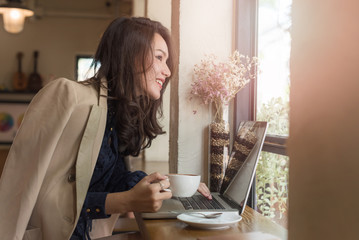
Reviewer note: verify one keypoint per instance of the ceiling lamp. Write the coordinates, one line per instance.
(14, 15)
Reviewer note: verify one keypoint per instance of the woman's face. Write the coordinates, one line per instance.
(158, 72)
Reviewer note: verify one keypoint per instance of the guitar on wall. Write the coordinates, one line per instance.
(35, 80)
(20, 82)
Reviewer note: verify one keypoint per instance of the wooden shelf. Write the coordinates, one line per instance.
(16, 96)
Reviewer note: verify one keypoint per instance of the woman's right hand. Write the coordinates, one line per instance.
(145, 196)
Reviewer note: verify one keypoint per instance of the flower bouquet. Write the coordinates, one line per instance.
(217, 83)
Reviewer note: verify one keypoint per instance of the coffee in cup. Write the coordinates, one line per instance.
(184, 185)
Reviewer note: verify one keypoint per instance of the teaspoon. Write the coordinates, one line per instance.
(208, 215)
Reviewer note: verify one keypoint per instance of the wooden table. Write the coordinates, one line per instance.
(174, 229)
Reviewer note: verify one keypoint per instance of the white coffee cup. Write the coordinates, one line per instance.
(184, 185)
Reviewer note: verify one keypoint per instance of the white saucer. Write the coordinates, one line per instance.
(222, 222)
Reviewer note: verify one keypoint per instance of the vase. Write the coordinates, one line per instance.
(219, 146)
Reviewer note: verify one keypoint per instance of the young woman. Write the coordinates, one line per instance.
(65, 176)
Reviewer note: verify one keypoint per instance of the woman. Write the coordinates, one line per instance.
(65, 176)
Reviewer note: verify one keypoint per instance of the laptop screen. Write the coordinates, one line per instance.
(243, 161)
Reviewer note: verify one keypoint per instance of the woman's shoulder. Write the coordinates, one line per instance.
(65, 84)
(63, 89)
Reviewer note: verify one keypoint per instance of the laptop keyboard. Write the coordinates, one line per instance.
(200, 202)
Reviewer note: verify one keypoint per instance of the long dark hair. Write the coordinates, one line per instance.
(122, 57)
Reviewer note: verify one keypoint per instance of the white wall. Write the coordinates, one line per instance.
(324, 121)
(205, 27)
(160, 10)
(138, 8)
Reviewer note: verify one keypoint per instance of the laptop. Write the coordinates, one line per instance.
(237, 181)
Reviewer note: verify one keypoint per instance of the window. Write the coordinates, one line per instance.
(84, 69)
(273, 85)
(267, 35)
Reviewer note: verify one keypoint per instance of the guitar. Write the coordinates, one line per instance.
(35, 80)
(19, 81)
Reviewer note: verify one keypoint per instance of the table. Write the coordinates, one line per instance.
(174, 229)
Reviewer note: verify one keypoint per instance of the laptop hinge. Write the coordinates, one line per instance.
(231, 203)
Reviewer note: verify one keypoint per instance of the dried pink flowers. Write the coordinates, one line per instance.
(219, 82)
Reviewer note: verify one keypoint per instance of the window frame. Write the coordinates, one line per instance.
(245, 102)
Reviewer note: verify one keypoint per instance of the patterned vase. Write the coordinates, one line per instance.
(219, 147)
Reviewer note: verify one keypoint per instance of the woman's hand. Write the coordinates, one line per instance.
(145, 196)
(203, 189)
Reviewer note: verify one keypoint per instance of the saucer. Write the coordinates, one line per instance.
(224, 221)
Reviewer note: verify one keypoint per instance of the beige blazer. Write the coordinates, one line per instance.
(50, 164)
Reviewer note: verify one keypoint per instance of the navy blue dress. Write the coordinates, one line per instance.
(110, 175)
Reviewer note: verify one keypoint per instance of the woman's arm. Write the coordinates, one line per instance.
(146, 196)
